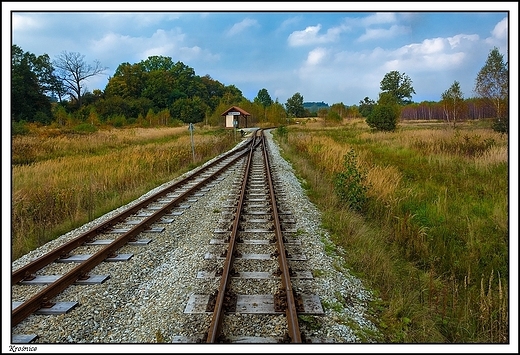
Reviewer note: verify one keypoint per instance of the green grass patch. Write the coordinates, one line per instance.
(432, 241)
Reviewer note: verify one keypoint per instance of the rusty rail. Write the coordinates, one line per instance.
(218, 312)
(291, 314)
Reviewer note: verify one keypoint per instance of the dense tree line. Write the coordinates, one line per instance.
(159, 91)
(159, 84)
(471, 109)
(155, 91)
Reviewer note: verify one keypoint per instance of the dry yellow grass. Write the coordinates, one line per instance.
(328, 154)
(50, 144)
(493, 156)
(384, 182)
(97, 173)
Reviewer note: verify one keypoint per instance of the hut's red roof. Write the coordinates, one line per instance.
(236, 109)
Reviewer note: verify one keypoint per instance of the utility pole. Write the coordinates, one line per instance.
(190, 127)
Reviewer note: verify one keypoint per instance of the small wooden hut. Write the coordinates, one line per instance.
(236, 117)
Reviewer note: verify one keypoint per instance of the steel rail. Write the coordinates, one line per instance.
(215, 327)
(37, 264)
(35, 302)
(291, 313)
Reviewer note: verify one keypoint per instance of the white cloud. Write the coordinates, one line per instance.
(114, 46)
(166, 43)
(290, 21)
(113, 41)
(125, 46)
(441, 60)
(428, 46)
(379, 33)
(373, 26)
(434, 54)
(499, 36)
(310, 36)
(298, 38)
(316, 56)
(24, 23)
(500, 31)
(241, 26)
(196, 53)
(435, 62)
(376, 19)
(462, 41)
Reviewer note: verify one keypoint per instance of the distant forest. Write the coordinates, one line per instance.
(315, 106)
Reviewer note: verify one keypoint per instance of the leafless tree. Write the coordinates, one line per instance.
(73, 70)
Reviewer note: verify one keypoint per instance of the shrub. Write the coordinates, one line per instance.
(117, 120)
(350, 185)
(85, 128)
(501, 125)
(383, 117)
(175, 122)
(282, 132)
(333, 116)
(19, 128)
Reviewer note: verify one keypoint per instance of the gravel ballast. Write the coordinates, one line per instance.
(144, 299)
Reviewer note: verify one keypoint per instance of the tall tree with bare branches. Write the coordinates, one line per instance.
(72, 69)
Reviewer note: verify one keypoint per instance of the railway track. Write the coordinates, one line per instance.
(253, 253)
(248, 282)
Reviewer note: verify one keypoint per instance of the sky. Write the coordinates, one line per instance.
(340, 54)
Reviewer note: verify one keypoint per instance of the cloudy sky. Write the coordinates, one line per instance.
(337, 55)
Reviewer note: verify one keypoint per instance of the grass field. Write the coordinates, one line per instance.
(422, 214)
(60, 182)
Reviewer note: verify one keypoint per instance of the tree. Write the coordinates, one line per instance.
(214, 91)
(263, 98)
(340, 109)
(398, 85)
(157, 63)
(492, 82)
(352, 112)
(231, 95)
(189, 110)
(350, 184)
(452, 100)
(73, 71)
(28, 87)
(48, 81)
(365, 106)
(159, 88)
(385, 113)
(294, 106)
(276, 113)
(128, 81)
